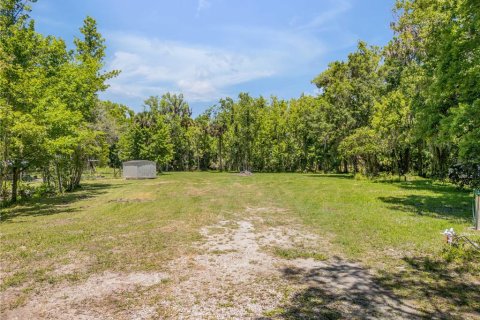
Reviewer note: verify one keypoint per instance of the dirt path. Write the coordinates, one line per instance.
(236, 276)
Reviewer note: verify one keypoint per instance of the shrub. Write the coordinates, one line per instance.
(44, 190)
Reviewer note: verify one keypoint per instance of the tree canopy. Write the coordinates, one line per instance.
(412, 106)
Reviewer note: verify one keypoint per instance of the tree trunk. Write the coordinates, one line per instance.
(3, 173)
(345, 166)
(59, 178)
(355, 165)
(78, 176)
(45, 175)
(477, 211)
(15, 173)
(220, 142)
(1, 183)
(421, 172)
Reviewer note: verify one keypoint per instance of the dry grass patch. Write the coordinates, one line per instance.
(236, 247)
(68, 301)
(136, 197)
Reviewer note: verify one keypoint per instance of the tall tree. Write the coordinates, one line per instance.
(148, 138)
(86, 79)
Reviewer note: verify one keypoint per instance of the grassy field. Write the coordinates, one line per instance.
(392, 229)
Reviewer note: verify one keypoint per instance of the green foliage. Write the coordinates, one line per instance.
(148, 138)
(463, 257)
(410, 107)
(202, 141)
(48, 99)
(393, 124)
(176, 113)
(443, 43)
(362, 146)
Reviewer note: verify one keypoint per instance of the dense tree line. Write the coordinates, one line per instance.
(412, 106)
(48, 101)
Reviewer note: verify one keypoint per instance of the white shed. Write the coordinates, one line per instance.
(139, 169)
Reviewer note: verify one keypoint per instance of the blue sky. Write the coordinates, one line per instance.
(208, 49)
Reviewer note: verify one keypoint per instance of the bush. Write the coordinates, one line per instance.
(25, 191)
(44, 190)
(463, 258)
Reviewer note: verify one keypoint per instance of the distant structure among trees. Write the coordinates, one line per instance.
(139, 169)
(410, 107)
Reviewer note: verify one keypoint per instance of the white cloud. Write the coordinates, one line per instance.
(202, 5)
(152, 66)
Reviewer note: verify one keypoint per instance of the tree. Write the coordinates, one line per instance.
(362, 147)
(393, 122)
(114, 120)
(202, 140)
(50, 92)
(21, 49)
(148, 138)
(352, 87)
(442, 40)
(350, 90)
(219, 125)
(177, 115)
(14, 12)
(86, 80)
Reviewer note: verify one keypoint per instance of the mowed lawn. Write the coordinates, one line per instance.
(392, 228)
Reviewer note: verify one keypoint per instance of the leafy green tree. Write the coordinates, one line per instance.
(362, 147)
(51, 92)
(114, 120)
(21, 75)
(86, 79)
(352, 87)
(393, 122)
(219, 123)
(350, 90)
(177, 115)
(200, 135)
(441, 39)
(148, 138)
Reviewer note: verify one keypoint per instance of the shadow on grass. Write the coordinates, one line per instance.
(337, 176)
(342, 290)
(443, 287)
(423, 184)
(446, 202)
(54, 205)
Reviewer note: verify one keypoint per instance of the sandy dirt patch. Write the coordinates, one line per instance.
(72, 302)
(234, 276)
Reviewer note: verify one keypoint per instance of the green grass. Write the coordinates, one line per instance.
(109, 222)
(365, 217)
(295, 253)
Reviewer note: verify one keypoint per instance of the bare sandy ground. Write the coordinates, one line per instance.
(235, 276)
